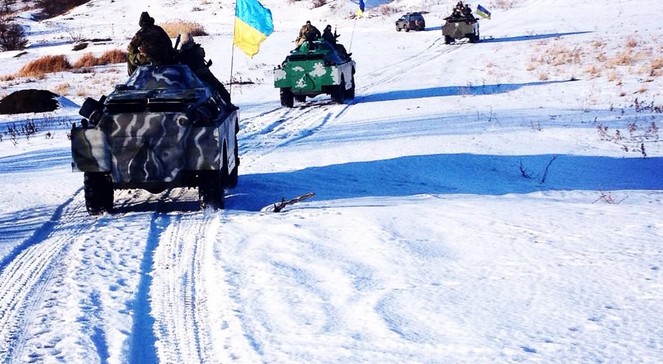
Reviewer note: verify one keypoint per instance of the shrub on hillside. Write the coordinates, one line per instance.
(50, 8)
(12, 37)
(175, 27)
(47, 64)
(5, 6)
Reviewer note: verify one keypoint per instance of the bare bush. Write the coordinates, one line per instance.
(47, 64)
(12, 37)
(175, 27)
(6, 6)
(319, 3)
(50, 8)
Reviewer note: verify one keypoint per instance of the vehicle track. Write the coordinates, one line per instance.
(178, 291)
(396, 70)
(24, 278)
(264, 133)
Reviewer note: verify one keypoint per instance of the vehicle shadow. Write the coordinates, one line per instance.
(441, 174)
(529, 37)
(452, 91)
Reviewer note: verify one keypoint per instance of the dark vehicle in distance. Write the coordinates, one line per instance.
(411, 21)
(163, 128)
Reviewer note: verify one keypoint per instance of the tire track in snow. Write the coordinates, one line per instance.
(397, 70)
(25, 273)
(262, 134)
(178, 293)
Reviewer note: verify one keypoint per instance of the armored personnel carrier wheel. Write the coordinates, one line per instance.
(210, 189)
(234, 174)
(98, 189)
(338, 92)
(351, 91)
(287, 99)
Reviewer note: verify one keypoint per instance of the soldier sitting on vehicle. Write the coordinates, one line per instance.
(467, 13)
(193, 55)
(150, 45)
(308, 33)
(331, 38)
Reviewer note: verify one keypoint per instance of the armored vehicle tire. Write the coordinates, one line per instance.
(98, 189)
(300, 98)
(287, 99)
(338, 92)
(398, 29)
(234, 174)
(210, 188)
(448, 39)
(407, 28)
(351, 91)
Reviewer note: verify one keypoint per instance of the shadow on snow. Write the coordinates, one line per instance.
(450, 174)
(531, 37)
(452, 91)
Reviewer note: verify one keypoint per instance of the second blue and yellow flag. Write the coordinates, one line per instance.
(253, 24)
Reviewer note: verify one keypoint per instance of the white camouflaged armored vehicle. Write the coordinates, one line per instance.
(163, 128)
(458, 28)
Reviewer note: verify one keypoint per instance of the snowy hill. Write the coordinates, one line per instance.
(494, 202)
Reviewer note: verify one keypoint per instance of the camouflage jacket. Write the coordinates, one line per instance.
(150, 45)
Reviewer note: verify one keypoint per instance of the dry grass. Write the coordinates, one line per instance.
(7, 78)
(503, 4)
(593, 71)
(175, 27)
(47, 64)
(630, 61)
(108, 57)
(62, 89)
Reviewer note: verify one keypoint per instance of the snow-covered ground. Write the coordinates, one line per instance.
(495, 202)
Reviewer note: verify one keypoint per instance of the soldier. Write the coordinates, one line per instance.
(467, 12)
(193, 55)
(331, 38)
(308, 32)
(150, 45)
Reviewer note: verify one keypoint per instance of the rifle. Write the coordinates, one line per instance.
(177, 41)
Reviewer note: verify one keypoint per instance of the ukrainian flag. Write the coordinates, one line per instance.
(253, 23)
(362, 7)
(483, 12)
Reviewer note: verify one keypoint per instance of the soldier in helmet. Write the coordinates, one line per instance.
(150, 45)
(193, 55)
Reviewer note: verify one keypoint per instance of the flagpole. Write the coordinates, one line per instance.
(352, 36)
(232, 53)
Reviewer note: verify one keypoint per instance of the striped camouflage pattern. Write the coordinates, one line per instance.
(161, 123)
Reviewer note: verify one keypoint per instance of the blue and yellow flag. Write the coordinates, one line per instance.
(253, 23)
(483, 12)
(362, 7)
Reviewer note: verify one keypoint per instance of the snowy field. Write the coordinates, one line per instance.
(496, 202)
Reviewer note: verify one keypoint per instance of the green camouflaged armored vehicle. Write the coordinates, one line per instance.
(314, 68)
(459, 28)
(163, 128)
